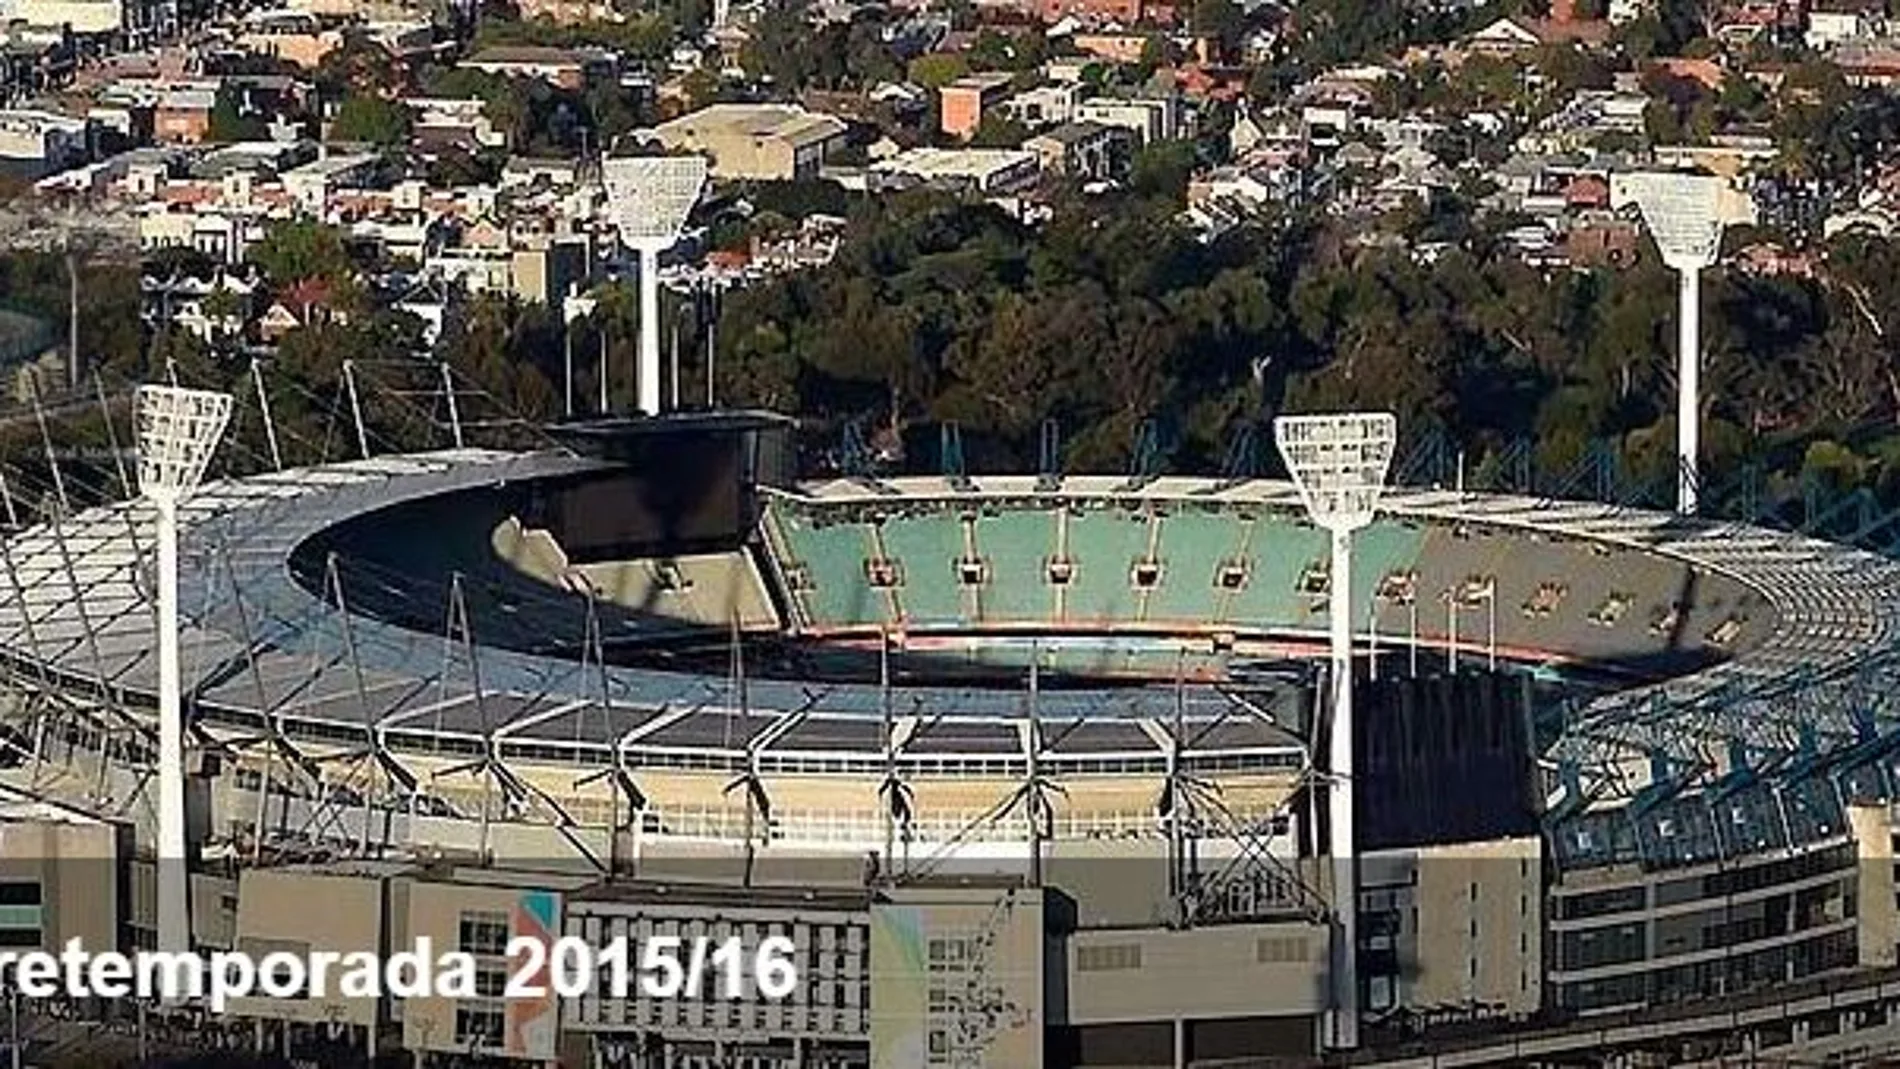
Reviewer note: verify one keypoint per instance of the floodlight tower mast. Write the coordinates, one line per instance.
(178, 430)
(648, 199)
(1339, 463)
(1686, 214)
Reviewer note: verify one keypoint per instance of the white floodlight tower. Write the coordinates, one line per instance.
(648, 199)
(1685, 214)
(1339, 462)
(178, 430)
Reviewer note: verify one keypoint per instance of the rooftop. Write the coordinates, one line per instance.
(536, 55)
(787, 122)
(954, 163)
(1072, 133)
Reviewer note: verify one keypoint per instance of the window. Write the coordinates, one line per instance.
(1111, 957)
(1278, 950)
(973, 571)
(669, 577)
(881, 573)
(478, 1026)
(491, 981)
(1315, 579)
(1145, 575)
(20, 893)
(1061, 571)
(484, 933)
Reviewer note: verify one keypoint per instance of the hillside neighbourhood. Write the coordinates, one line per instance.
(233, 177)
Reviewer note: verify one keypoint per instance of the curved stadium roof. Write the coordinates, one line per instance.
(1761, 706)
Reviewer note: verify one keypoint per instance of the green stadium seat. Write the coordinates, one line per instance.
(1104, 545)
(927, 549)
(1385, 547)
(1194, 546)
(1016, 544)
(1279, 549)
(833, 557)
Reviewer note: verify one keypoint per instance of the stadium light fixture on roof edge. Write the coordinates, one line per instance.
(648, 201)
(1685, 214)
(1339, 463)
(178, 431)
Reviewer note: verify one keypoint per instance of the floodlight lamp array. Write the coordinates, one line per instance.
(1339, 463)
(178, 431)
(649, 197)
(1684, 215)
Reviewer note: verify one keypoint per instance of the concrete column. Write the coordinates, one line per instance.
(1688, 388)
(648, 386)
(174, 883)
(1344, 1014)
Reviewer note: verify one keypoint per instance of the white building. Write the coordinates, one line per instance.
(1826, 29)
(135, 20)
(1045, 105)
(989, 172)
(1624, 11)
(1150, 119)
(223, 236)
(38, 143)
(312, 183)
(447, 116)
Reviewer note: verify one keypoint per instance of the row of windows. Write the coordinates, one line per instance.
(1733, 975)
(1144, 573)
(20, 893)
(1108, 957)
(1714, 885)
(478, 1026)
(1711, 929)
(483, 933)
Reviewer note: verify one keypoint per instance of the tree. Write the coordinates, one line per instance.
(361, 65)
(372, 119)
(225, 310)
(997, 51)
(998, 132)
(1162, 170)
(299, 249)
(1222, 20)
(934, 70)
(228, 124)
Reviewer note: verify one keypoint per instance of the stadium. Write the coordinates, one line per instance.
(647, 651)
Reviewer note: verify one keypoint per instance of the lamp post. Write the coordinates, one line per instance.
(648, 199)
(1339, 463)
(574, 306)
(178, 430)
(1685, 214)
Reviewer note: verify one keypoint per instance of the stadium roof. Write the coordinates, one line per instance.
(261, 648)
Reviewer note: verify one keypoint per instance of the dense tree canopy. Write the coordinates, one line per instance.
(373, 119)
(939, 310)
